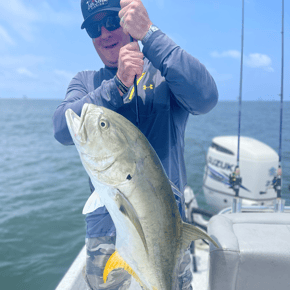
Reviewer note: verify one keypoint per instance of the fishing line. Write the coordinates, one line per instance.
(136, 95)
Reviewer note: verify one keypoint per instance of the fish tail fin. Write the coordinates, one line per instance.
(191, 233)
(116, 262)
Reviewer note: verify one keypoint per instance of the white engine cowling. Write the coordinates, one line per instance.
(258, 166)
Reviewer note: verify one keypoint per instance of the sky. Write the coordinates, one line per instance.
(42, 46)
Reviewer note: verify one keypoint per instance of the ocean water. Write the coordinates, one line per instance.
(44, 186)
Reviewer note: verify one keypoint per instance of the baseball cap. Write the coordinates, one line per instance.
(92, 7)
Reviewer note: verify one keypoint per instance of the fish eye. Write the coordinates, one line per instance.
(104, 124)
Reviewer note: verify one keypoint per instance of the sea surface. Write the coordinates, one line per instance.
(43, 186)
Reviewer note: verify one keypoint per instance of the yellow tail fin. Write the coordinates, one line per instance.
(116, 262)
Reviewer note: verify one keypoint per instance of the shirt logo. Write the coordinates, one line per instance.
(92, 4)
(149, 87)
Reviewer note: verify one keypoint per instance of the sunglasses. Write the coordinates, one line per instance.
(110, 22)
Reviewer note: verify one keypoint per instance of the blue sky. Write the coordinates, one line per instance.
(42, 46)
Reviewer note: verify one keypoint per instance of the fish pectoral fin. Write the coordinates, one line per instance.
(128, 210)
(117, 262)
(191, 233)
(92, 203)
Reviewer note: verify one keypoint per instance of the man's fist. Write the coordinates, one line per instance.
(134, 18)
(130, 63)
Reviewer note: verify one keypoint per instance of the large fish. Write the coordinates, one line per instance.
(130, 181)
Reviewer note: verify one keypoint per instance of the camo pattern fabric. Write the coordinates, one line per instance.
(99, 251)
(185, 274)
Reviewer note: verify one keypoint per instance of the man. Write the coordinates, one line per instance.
(171, 84)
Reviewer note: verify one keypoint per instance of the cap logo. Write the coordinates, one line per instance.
(92, 4)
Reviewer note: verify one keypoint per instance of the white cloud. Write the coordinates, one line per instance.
(25, 19)
(28, 74)
(64, 18)
(254, 60)
(13, 61)
(34, 83)
(66, 75)
(258, 60)
(14, 10)
(228, 53)
(19, 71)
(25, 72)
(19, 17)
(5, 37)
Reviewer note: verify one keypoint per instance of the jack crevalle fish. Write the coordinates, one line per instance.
(130, 181)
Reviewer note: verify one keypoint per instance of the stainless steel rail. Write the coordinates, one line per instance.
(256, 208)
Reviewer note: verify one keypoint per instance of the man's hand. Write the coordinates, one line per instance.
(130, 63)
(134, 18)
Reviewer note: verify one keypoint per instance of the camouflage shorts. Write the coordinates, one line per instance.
(99, 251)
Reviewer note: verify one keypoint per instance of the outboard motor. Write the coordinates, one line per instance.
(258, 166)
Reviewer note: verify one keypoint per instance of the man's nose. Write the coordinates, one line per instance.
(105, 32)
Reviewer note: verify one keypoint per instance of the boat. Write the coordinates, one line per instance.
(250, 221)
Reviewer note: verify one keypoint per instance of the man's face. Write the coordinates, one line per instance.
(109, 43)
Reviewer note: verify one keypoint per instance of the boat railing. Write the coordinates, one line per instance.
(257, 208)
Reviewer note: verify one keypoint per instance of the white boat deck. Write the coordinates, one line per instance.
(73, 279)
(200, 278)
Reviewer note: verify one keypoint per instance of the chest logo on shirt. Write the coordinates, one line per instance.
(148, 87)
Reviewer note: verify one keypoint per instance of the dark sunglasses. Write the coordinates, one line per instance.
(110, 22)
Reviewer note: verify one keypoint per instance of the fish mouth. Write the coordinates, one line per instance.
(76, 124)
(99, 163)
(73, 122)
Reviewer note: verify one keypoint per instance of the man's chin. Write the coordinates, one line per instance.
(112, 63)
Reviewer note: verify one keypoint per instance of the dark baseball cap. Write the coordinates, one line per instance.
(92, 7)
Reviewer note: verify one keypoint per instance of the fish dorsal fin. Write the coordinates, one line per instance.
(117, 262)
(191, 233)
(92, 203)
(128, 210)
